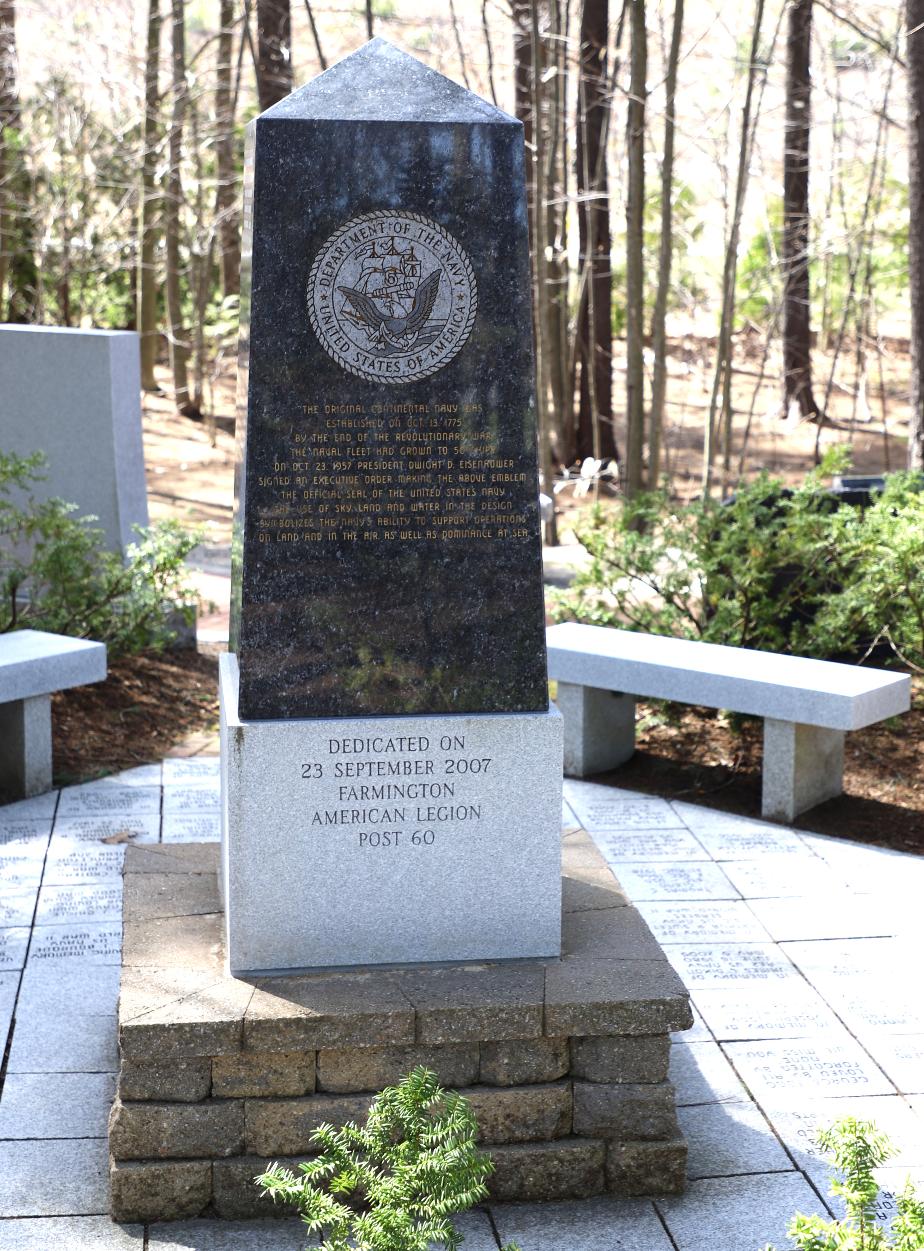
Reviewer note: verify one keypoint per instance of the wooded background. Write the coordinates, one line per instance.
(726, 194)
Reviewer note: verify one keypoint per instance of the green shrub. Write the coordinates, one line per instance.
(856, 1149)
(779, 569)
(56, 574)
(395, 1183)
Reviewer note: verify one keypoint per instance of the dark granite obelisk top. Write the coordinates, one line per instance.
(387, 556)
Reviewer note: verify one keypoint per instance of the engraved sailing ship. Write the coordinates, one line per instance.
(390, 303)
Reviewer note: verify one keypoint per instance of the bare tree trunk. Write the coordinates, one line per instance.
(9, 116)
(594, 333)
(17, 260)
(915, 20)
(370, 33)
(179, 346)
(274, 43)
(148, 226)
(635, 249)
(797, 306)
(226, 193)
(665, 258)
(523, 92)
(722, 382)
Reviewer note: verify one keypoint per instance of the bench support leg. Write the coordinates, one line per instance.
(803, 766)
(25, 746)
(599, 728)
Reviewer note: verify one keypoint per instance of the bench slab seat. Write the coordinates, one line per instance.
(33, 664)
(807, 705)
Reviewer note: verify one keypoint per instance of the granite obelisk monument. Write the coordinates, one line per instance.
(391, 766)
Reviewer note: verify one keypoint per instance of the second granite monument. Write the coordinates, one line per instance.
(392, 770)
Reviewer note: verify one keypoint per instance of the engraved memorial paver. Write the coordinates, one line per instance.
(21, 836)
(787, 1070)
(726, 964)
(872, 1005)
(704, 921)
(643, 882)
(92, 943)
(13, 944)
(94, 830)
(62, 905)
(591, 1225)
(96, 800)
(17, 904)
(747, 1012)
(191, 827)
(191, 771)
(38, 808)
(69, 864)
(203, 797)
(604, 808)
(747, 840)
(670, 845)
(798, 1128)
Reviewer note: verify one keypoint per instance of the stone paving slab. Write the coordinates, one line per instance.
(191, 827)
(731, 964)
(729, 1139)
(746, 840)
(787, 1071)
(91, 943)
(701, 1074)
(699, 880)
(738, 1213)
(63, 989)
(902, 1058)
(94, 830)
(82, 863)
(603, 808)
(268, 1235)
(90, 901)
(783, 876)
(54, 1177)
(592, 1225)
(650, 845)
(97, 799)
(706, 921)
(70, 1233)
(17, 905)
(52, 1041)
(832, 916)
(751, 1011)
(55, 1105)
(13, 946)
(798, 1129)
(22, 836)
(199, 771)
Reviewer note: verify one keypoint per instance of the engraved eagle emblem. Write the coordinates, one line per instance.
(385, 329)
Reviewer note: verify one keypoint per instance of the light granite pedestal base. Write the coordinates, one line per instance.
(388, 840)
(564, 1060)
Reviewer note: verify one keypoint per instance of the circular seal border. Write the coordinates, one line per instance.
(376, 215)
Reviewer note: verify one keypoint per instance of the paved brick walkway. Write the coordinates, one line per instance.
(802, 954)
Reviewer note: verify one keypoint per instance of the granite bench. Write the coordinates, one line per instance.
(33, 664)
(807, 705)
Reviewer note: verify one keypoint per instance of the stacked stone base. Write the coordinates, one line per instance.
(564, 1062)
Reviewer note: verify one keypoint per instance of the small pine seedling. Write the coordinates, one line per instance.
(856, 1149)
(395, 1183)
